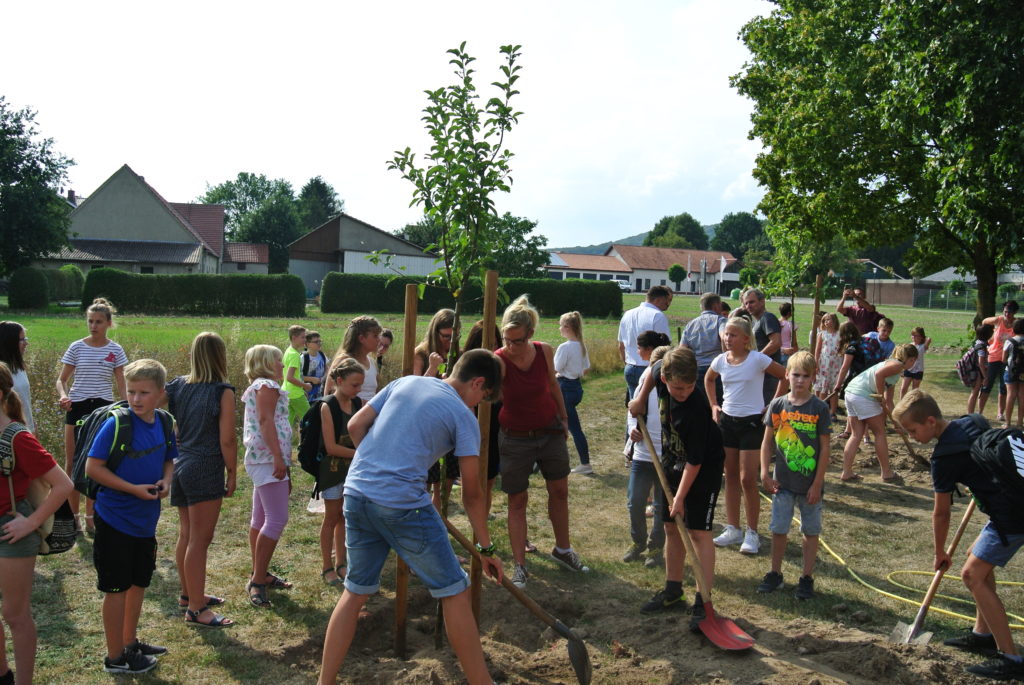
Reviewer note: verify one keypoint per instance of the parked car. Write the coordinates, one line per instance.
(624, 286)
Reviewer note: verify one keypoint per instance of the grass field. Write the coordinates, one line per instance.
(873, 529)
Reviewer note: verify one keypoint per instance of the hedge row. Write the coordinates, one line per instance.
(66, 283)
(198, 294)
(28, 289)
(341, 293)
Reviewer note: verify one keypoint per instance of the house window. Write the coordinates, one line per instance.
(241, 266)
(663, 282)
(604, 277)
(145, 269)
(557, 275)
(570, 274)
(590, 277)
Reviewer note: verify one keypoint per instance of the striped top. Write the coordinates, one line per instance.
(94, 367)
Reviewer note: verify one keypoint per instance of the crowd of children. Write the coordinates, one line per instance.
(380, 452)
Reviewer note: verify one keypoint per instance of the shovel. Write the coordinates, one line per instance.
(578, 655)
(722, 632)
(899, 429)
(907, 635)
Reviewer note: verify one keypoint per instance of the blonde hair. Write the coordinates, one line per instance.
(916, 406)
(904, 352)
(745, 329)
(574, 322)
(680, 364)
(357, 328)
(258, 359)
(802, 361)
(209, 359)
(105, 307)
(296, 330)
(830, 316)
(146, 370)
(520, 314)
(660, 352)
(11, 402)
(345, 366)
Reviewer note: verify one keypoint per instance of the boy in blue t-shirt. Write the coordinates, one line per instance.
(999, 540)
(127, 511)
(797, 429)
(398, 434)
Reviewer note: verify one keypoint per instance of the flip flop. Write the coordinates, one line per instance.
(852, 479)
(278, 583)
(341, 570)
(894, 478)
(531, 548)
(218, 621)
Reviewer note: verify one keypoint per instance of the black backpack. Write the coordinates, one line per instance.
(1000, 453)
(311, 435)
(1015, 360)
(85, 434)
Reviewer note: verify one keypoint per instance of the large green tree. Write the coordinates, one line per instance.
(736, 233)
(424, 233)
(682, 225)
(274, 222)
(244, 195)
(34, 218)
(883, 120)
(318, 203)
(521, 255)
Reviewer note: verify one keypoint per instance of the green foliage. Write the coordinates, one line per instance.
(28, 289)
(64, 283)
(736, 233)
(682, 226)
(276, 223)
(76, 280)
(317, 203)
(956, 286)
(1008, 291)
(677, 274)
(197, 294)
(342, 293)
(425, 233)
(881, 120)
(243, 196)
(750, 276)
(34, 218)
(521, 255)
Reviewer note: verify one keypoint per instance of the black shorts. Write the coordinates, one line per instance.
(742, 432)
(914, 375)
(121, 560)
(451, 469)
(83, 408)
(699, 505)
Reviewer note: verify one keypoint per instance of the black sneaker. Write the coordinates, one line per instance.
(130, 661)
(1000, 668)
(771, 582)
(7, 678)
(697, 614)
(662, 602)
(972, 642)
(148, 650)
(804, 588)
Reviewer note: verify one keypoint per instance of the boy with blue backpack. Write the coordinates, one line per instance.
(131, 462)
(988, 462)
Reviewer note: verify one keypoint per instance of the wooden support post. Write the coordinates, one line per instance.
(484, 417)
(401, 569)
(816, 321)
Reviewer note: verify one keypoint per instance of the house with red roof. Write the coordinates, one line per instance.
(643, 267)
(126, 224)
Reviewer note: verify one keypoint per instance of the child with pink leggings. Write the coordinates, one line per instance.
(267, 436)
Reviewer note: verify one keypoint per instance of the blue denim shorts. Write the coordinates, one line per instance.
(783, 504)
(418, 536)
(989, 548)
(333, 492)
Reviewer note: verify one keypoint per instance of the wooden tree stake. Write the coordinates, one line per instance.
(402, 569)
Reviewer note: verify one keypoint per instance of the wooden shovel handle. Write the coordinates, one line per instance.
(934, 587)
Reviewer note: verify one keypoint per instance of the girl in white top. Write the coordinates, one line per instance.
(362, 338)
(742, 369)
(571, 362)
(912, 377)
(92, 361)
(13, 342)
(829, 358)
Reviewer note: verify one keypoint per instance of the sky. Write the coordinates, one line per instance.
(628, 115)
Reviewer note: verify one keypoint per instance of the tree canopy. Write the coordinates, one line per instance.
(34, 218)
(521, 255)
(244, 195)
(681, 231)
(274, 222)
(737, 233)
(317, 203)
(884, 120)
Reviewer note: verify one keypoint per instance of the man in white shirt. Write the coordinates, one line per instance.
(649, 316)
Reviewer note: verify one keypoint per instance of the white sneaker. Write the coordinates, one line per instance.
(584, 469)
(751, 542)
(730, 536)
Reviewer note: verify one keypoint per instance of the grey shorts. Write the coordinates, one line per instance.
(197, 479)
(990, 548)
(28, 546)
(518, 456)
(783, 504)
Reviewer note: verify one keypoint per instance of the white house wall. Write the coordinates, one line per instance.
(357, 263)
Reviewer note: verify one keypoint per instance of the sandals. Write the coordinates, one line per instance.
(217, 621)
(531, 548)
(894, 478)
(342, 571)
(852, 479)
(278, 583)
(211, 601)
(259, 598)
(337, 580)
(845, 435)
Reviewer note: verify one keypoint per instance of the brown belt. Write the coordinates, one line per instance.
(532, 434)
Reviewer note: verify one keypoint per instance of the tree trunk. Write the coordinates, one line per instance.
(986, 273)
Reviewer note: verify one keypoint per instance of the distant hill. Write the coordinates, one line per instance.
(600, 248)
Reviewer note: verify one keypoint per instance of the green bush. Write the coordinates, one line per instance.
(197, 294)
(1007, 291)
(28, 289)
(65, 283)
(75, 281)
(375, 293)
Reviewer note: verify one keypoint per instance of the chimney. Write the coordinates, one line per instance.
(71, 196)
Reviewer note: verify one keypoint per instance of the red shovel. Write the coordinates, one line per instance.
(722, 632)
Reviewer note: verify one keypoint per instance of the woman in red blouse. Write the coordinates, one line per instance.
(19, 541)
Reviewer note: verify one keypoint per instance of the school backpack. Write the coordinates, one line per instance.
(311, 435)
(1000, 453)
(968, 369)
(57, 533)
(869, 353)
(1015, 360)
(88, 428)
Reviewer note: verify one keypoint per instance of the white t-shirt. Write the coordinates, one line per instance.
(21, 387)
(742, 383)
(646, 317)
(94, 367)
(640, 451)
(369, 388)
(570, 360)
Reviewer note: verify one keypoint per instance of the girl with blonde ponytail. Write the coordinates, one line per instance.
(571, 363)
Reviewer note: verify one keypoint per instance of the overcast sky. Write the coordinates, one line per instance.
(628, 113)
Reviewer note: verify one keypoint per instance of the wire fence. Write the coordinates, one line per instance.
(957, 300)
